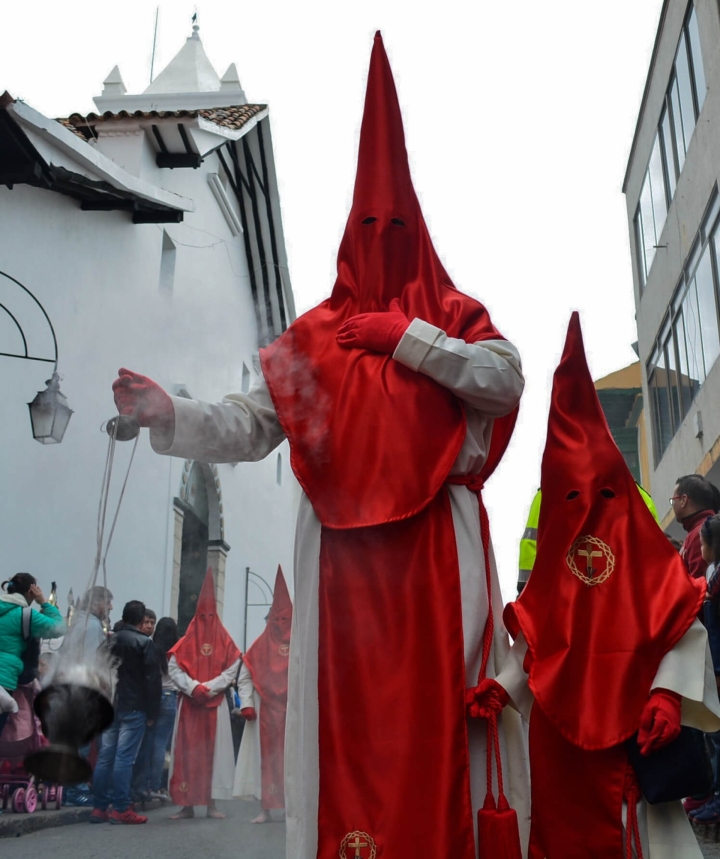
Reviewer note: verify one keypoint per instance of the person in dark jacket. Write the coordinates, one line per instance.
(137, 704)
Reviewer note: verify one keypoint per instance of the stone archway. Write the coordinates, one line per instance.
(198, 540)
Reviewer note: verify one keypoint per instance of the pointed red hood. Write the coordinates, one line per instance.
(372, 441)
(206, 649)
(608, 596)
(268, 658)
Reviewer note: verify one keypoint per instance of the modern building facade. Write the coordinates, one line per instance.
(673, 209)
(151, 234)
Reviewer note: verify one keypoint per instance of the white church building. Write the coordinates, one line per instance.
(150, 234)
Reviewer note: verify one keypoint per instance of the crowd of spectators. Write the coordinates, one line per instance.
(131, 758)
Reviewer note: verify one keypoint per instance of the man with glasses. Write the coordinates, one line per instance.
(694, 499)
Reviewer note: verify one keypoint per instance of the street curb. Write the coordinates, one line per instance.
(14, 825)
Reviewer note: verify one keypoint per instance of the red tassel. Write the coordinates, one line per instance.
(498, 829)
(498, 833)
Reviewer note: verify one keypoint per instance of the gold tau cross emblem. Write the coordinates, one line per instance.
(360, 843)
(591, 560)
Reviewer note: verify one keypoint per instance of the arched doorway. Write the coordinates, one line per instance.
(199, 542)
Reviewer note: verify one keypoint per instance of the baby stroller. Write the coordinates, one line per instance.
(22, 736)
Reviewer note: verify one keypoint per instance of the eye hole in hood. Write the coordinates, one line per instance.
(572, 494)
(607, 493)
(369, 220)
(398, 222)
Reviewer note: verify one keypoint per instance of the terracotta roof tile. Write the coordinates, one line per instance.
(226, 117)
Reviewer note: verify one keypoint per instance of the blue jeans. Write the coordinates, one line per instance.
(113, 771)
(151, 759)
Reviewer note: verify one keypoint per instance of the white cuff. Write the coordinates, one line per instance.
(188, 426)
(415, 343)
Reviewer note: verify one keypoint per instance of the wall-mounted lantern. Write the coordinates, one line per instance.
(50, 413)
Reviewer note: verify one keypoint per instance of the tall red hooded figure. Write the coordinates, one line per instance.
(377, 429)
(398, 397)
(607, 599)
(202, 654)
(267, 661)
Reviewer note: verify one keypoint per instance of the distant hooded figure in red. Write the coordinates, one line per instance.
(398, 397)
(202, 665)
(606, 630)
(263, 691)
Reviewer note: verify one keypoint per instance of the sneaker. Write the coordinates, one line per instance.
(128, 816)
(162, 795)
(709, 813)
(80, 800)
(691, 804)
(99, 816)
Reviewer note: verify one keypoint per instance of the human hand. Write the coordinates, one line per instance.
(35, 593)
(201, 694)
(378, 332)
(143, 399)
(486, 699)
(249, 713)
(660, 721)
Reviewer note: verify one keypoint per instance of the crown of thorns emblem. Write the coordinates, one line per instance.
(357, 842)
(591, 560)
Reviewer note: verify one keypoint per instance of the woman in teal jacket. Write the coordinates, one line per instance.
(20, 591)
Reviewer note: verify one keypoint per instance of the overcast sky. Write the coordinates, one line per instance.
(518, 116)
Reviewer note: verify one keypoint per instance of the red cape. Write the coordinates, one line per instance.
(608, 596)
(267, 660)
(206, 649)
(349, 413)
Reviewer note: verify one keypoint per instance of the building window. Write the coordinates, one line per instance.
(245, 383)
(683, 102)
(278, 470)
(689, 341)
(167, 264)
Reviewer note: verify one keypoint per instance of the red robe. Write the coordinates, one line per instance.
(372, 443)
(267, 661)
(203, 653)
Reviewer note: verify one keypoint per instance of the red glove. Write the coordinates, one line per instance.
(144, 399)
(660, 721)
(485, 699)
(248, 713)
(378, 332)
(201, 694)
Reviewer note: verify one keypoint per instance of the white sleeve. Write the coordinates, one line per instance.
(246, 689)
(687, 670)
(486, 375)
(222, 681)
(183, 682)
(514, 680)
(242, 428)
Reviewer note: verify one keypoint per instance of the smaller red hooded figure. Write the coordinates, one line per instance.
(202, 664)
(267, 664)
(607, 600)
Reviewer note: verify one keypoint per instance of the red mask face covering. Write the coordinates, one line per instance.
(608, 596)
(371, 440)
